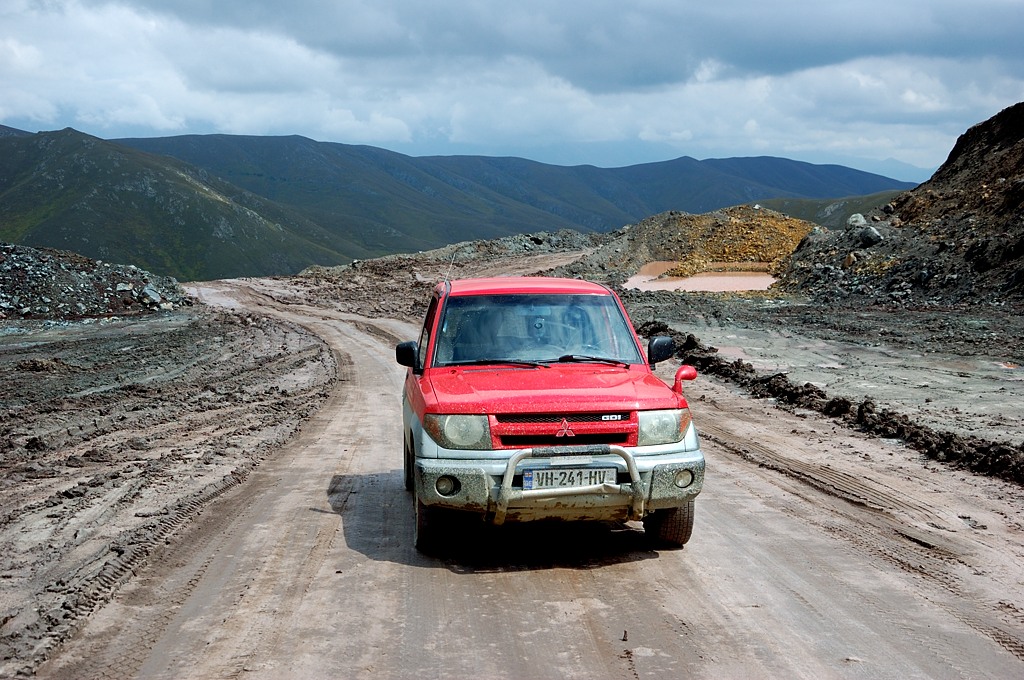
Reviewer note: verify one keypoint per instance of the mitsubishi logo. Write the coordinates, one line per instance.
(564, 430)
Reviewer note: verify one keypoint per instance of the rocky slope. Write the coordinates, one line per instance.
(957, 238)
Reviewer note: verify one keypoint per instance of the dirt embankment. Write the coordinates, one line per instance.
(981, 456)
(738, 237)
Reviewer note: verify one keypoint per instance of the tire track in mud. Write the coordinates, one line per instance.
(188, 558)
(899, 530)
(853, 488)
(97, 588)
(262, 636)
(255, 639)
(108, 485)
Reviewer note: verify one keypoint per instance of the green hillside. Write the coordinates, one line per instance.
(70, 191)
(217, 206)
(386, 201)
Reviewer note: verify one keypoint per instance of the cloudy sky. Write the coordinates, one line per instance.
(601, 82)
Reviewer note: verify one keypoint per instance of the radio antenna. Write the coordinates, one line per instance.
(448, 273)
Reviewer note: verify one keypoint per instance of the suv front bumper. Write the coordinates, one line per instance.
(493, 487)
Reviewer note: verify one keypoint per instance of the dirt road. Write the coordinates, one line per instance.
(817, 553)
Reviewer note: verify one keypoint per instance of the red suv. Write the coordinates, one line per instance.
(531, 398)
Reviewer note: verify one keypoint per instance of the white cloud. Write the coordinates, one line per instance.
(532, 78)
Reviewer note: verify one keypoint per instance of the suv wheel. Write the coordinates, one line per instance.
(670, 528)
(408, 461)
(423, 532)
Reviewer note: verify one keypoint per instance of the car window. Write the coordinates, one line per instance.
(532, 327)
(428, 321)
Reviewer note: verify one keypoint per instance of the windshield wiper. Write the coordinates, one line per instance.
(491, 362)
(586, 358)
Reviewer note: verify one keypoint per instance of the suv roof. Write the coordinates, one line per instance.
(525, 284)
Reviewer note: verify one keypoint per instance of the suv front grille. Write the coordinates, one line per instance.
(559, 417)
(523, 441)
(521, 430)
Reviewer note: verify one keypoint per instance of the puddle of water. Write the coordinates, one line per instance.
(656, 268)
(649, 278)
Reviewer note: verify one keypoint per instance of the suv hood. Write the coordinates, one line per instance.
(558, 389)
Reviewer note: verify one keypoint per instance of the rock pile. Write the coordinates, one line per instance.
(59, 285)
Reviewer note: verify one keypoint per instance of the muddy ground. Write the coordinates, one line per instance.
(116, 433)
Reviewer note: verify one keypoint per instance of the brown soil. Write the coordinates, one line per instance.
(118, 434)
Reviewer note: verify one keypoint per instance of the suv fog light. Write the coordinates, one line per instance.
(446, 486)
(683, 479)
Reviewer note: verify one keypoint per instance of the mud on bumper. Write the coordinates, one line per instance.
(494, 489)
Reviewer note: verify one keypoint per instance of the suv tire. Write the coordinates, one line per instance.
(424, 531)
(670, 528)
(408, 462)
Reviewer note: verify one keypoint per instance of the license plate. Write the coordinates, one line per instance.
(553, 478)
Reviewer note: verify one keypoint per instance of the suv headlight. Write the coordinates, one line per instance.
(458, 431)
(663, 427)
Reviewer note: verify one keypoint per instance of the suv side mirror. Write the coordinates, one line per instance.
(660, 348)
(405, 354)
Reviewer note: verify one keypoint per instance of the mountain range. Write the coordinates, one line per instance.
(200, 207)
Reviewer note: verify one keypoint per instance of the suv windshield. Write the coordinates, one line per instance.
(545, 327)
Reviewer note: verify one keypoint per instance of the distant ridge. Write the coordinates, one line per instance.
(508, 190)
(12, 132)
(212, 206)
